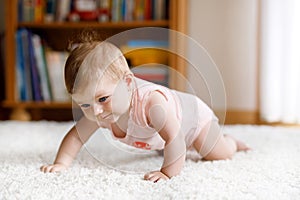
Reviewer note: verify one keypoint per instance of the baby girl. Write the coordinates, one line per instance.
(138, 113)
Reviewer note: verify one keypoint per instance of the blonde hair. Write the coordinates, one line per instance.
(90, 61)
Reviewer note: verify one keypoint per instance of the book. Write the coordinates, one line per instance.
(148, 10)
(148, 43)
(20, 11)
(21, 94)
(27, 10)
(35, 76)
(116, 10)
(155, 73)
(63, 8)
(159, 9)
(148, 59)
(140, 52)
(42, 67)
(139, 10)
(38, 10)
(26, 63)
(50, 8)
(55, 64)
(128, 10)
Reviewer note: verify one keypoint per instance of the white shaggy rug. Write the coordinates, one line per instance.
(270, 171)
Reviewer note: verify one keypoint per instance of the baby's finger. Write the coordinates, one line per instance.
(44, 168)
(154, 178)
(148, 175)
(57, 169)
(164, 177)
(48, 168)
(54, 169)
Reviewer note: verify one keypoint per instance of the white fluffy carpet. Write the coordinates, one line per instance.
(270, 171)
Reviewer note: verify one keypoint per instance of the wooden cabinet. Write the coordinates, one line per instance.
(57, 33)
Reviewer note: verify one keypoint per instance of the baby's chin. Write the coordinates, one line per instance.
(110, 119)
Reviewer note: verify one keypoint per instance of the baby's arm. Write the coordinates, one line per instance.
(71, 145)
(163, 118)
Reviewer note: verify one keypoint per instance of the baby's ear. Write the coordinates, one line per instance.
(128, 78)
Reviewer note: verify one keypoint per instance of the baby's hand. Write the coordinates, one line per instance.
(155, 176)
(53, 168)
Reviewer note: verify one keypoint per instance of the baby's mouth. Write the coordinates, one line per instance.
(106, 116)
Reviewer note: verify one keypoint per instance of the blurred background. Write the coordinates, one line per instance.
(252, 43)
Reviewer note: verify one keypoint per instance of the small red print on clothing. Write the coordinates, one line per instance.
(142, 145)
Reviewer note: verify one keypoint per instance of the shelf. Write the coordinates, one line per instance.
(107, 25)
(57, 35)
(32, 104)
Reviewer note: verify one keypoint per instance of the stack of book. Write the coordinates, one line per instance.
(148, 60)
(154, 73)
(39, 71)
(101, 10)
(129, 10)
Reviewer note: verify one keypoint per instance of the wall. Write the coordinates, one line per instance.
(227, 29)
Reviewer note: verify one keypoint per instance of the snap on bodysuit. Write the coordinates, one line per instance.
(192, 113)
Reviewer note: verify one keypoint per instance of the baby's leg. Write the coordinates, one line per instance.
(224, 149)
(213, 145)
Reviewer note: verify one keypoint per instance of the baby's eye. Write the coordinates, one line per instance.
(85, 105)
(102, 99)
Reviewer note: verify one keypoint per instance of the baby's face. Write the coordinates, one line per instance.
(104, 101)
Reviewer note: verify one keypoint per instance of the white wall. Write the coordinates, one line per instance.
(227, 29)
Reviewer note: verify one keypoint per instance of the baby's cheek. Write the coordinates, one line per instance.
(89, 114)
(119, 106)
(120, 100)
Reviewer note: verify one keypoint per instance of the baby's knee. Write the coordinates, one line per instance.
(221, 151)
(219, 155)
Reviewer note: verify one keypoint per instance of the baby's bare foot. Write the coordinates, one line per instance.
(241, 146)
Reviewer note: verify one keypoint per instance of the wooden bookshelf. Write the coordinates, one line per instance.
(38, 105)
(176, 21)
(105, 25)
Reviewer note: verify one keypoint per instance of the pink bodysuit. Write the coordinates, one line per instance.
(193, 114)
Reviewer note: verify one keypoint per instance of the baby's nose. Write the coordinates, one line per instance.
(98, 109)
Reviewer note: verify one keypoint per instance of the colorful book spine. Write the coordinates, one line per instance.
(116, 10)
(155, 73)
(50, 7)
(20, 10)
(148, 10)
(63, 8)
(28, 10)
(128, 10)
(42, 68)
(35, 77)
(21, 94)
(38, 11)
(31, 70)
(55, 65)
(139, 10)
(149, 59)
(148, 43)
(26, 62)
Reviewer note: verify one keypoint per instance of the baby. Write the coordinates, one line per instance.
(138, 113)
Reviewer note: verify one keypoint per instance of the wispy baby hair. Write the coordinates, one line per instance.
(90, 59)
